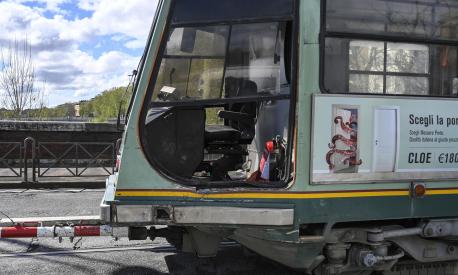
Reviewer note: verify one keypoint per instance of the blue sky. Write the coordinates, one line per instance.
(80, 47)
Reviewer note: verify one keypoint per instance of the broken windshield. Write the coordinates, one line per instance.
(201, 63)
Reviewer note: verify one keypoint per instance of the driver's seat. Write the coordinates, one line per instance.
(229, 139)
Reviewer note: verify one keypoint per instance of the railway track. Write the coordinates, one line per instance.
(159, 248)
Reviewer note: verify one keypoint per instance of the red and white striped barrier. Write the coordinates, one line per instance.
(57, 231)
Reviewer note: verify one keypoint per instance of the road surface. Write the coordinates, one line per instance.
(90, 256)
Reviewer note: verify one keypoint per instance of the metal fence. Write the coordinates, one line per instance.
(11, 162)
(75, 159)
(34, 161)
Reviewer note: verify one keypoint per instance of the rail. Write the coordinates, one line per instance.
(75, 159)
(155, 248)
(10, 159)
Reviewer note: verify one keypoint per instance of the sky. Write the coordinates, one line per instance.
(79, 47)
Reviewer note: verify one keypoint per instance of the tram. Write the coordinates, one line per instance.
(322, 134)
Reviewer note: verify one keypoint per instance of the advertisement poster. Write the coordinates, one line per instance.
(373, 139)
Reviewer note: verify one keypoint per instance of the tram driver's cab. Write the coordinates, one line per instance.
(220, 99)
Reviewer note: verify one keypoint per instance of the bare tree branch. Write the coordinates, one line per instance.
(17, 78)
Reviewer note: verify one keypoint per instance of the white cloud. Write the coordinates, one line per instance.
(49, 5)
(135, 44)
(119, 37)
(88, 5)
(53, 5)
(82, 93)
(68, 52)
(84, 75)
(130, 18)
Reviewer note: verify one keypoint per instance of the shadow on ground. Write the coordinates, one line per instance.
(136, 270)
(229, 261)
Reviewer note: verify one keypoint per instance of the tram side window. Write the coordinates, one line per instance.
(383, 65)
(426, 19)
(256, 54)
(393, 68)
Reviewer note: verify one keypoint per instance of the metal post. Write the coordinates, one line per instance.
(26, 178)
(77, 159)
(27, 141)
(118, 146)
(34, 161)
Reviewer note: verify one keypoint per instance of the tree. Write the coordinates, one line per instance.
(106, 105)
(17, 79)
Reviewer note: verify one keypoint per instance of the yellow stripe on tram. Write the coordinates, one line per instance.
(442, 192)
(253, 195)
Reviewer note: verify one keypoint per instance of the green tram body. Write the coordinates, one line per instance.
(315, 222)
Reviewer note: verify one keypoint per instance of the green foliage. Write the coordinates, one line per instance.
(212, 116)
(101, 108)
(106, 105)
(64, 110)
(61, 111)
(6, 114)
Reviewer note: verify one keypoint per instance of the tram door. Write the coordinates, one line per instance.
(385, 140)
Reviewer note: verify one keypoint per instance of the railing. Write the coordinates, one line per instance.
(32, 161)
(11, 161)
(75, 159)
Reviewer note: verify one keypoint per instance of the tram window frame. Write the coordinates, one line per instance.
(385, 38)
(291, 71)
(385, 72)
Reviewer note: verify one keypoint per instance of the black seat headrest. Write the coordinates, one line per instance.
(240, 87)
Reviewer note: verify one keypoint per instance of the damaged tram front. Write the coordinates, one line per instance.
(321, 134)
(314, 133)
